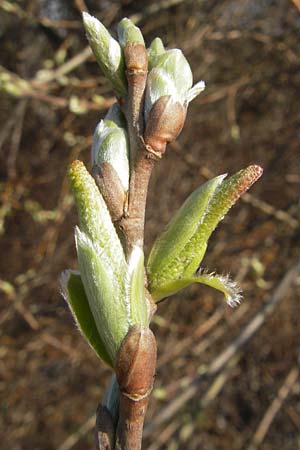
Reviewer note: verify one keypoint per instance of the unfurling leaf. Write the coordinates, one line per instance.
(105, 292)
(102, 263)
(221, 283)
(74, 294)
(171, 244)
(178, 252)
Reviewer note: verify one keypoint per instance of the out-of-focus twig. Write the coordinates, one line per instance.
(274, 408)
(16, 139)
(67, 67)
(268, 209)
(78, 434)
(17, 87)
(13, 8)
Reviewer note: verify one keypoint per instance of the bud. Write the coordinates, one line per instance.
(176, 65)
(111, 189)
(170, 78)
(159, 84)
(164, 124)
(178, 252)
(128, 32)
(111, 145)
(136, 60)
(107, 52)
(115, 114)
(135, 367)
(178, 69)
(155, 50)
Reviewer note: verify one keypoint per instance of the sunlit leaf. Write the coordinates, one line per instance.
(74, 294)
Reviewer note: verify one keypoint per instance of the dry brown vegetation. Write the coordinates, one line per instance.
(52, 95)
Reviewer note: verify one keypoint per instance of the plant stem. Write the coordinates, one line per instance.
(130, 426)
(136, 362)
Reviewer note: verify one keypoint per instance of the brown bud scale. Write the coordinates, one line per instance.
(136, 57)
(136, 360)
(164, 123)
(111, 189)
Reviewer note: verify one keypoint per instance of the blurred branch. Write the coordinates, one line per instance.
(13, 8)
(18, 87)
(67, 67)
(212, 392)
(78, 434)
(274, 408)
(16, 137)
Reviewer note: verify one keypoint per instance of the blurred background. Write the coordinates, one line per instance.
(226, 379)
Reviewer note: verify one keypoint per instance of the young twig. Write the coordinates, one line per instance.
(113, 297)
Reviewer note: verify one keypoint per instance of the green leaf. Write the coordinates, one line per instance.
(136, 277)
(223, 284)
(107, 51)
(74, 294)
(171, 244)
(225, 197)
(178, 252)
(106, 293)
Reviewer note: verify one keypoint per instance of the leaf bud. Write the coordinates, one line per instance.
(107, 52)
(136, 360)
(128, 32)
(155, 50)
(176, 65)
(136, 58)
(171, 75)
(164, 123)
(159, 84)
(116, 115)
(111, 145)
(75, 296)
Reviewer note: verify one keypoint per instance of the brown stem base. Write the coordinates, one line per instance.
(130, 426)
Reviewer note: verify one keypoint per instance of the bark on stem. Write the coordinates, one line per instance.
(132, 224)
(135, 369)
(136, 361)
